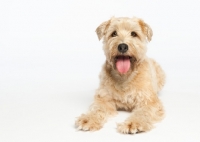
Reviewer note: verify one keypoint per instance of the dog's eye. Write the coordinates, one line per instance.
(114, 34)
(133, 34)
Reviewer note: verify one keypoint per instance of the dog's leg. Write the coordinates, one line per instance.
(100, 110)
(142, 117)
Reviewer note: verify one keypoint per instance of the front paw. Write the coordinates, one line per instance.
(132, 127)
(87, 122)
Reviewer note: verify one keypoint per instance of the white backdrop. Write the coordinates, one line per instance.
(50, 58)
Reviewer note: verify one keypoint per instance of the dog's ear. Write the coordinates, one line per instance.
(146, 29)
(102, 29)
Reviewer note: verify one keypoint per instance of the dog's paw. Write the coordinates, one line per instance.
(129, 127)
(87, 123)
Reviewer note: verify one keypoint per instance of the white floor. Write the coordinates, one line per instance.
(50, 58)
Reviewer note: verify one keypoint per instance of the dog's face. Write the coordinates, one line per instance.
(124, 41)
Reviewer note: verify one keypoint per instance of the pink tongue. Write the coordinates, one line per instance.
(123, 64)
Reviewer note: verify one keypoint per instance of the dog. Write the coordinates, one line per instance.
(129, 80)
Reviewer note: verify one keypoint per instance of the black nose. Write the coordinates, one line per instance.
(122, 47)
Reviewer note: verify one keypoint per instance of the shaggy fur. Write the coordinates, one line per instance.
(136, 90)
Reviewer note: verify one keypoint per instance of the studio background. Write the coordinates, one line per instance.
(50, 59)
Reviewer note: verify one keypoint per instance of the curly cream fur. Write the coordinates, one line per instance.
(136, 91)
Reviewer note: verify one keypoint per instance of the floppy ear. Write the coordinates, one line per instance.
(102, 29)
(146, 29)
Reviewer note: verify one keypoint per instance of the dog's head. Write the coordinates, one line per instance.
(124, 42)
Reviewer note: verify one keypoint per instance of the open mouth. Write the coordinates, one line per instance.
(123, 63)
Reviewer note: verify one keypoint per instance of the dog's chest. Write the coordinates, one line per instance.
(125, 101)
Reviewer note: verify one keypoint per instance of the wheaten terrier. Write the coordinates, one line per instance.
(129, 80)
